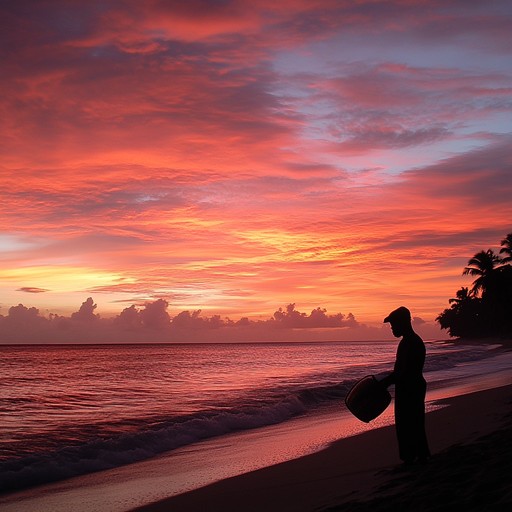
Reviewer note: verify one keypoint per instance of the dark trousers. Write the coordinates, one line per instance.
(410, 421)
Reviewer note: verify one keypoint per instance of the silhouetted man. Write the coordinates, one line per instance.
(410, 388)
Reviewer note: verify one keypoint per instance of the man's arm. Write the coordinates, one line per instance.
(388, 380)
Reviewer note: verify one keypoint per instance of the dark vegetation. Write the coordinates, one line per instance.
(485, 309)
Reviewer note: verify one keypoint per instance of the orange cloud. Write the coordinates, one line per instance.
(225, 157)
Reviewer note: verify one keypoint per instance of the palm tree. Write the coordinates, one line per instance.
(506, 248)
(463, 318)
(463, 295)
(483, 265)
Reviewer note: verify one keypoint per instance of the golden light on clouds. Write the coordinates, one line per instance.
(62, 279)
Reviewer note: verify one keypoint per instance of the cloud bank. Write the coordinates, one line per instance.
(152, 323)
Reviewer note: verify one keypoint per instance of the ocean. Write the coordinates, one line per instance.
(69, 410)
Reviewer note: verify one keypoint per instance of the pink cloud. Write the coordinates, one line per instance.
(190, 153)
(153, 323)
(194, 321)
(154, 315)
(318, 318)
(32, 289)
(476, 179)
(19, 315)
(396, 106)
(86, 312)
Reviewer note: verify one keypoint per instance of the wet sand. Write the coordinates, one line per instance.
(470, 440)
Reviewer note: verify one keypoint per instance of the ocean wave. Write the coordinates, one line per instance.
(154, 436)
(164, 435)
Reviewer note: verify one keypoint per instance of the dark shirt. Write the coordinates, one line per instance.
(410, 358)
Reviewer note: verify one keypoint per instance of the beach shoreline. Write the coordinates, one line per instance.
(311, 462)
(354, 470)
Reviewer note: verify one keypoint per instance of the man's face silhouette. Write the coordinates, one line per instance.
(397, 329)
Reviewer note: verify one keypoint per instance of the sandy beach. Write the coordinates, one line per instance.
(471, 443)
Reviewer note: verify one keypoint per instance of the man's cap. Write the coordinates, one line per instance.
(399, 315)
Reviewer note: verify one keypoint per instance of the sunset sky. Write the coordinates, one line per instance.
(236, 156)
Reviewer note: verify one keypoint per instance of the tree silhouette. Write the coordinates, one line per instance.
(485, 310)
(506, 248)
(483, 265)
(463, 317)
